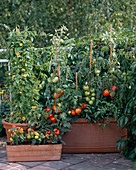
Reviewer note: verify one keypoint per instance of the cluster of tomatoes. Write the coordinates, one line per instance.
(53, 78)
(108, 93)
(50, 135)
(78, 110)
(90, 94)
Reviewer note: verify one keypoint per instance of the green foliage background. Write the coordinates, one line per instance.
(84, 17)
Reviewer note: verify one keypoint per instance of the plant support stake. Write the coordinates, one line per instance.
(76, 81)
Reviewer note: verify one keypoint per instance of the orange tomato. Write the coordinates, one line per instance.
(55, 95)
(54, 108)
(29, 130)
(78, 110)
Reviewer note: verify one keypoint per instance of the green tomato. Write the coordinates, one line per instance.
(49, 80)
(87, 93)
(55, 80)
(90, 102)
(52, 74)
(92, 90)
(36, 137)
(69, 112)
(28, 136)
(59, 104)
(86, 88)
(93, 94)
(97, 71)
(87, 99)
(58, 90)
(93, 98)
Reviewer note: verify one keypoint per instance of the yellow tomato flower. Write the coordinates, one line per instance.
(23, 118)
(13, 76)
(34, 107)
(1, 92)
(25, 75)
(11, 49)
(17, 53)
(23, 60)
(25, 36)
(21, 44)
(11, 113)
(22, 69)
(27, 41)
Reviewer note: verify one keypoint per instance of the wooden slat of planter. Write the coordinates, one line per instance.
(32, 158)
(33, 147)
(34, 153)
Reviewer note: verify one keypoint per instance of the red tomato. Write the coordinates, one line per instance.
(73, 112)
(78, 110)
(114, 88)
(57, 132)
(84, 106)
(49, 132)
(51, 115)
(53, 119)
(13, 126)
(106, 93)
(48, 109)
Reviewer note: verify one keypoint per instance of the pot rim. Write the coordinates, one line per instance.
(17, 124)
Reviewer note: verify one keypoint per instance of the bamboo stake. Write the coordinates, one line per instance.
(90, 61)
(111, 52)
(111, 47)
(90, 55)
(58, 69)
(76, 82)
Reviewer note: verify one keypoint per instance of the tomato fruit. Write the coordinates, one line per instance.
(55, 79)
(114, 88)
(57, 132)
(13, 126)
(53, 119)
(51, 115)
(97, 71)
(69, 112)
(93, 98)
(58, 90)
(78, 111)
(90, 102)
(55, 95)
(54, 108)
(92, 90)
(48, 109)
(49, 80)
(87, 93)
(87, 99)
(106, 93)
(59, 104)
(93, 94)
(84, 105)
(36, 137)
(52, 75)
(73, 112)
(86, 88)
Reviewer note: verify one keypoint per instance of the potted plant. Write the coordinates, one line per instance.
(33, 145)
(95, 101)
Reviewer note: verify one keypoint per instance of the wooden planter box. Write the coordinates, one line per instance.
(85, 138)
(19, 153)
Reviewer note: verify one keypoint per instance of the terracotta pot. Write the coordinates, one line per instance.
(85, 138)
(21, 153)
(8, 126)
